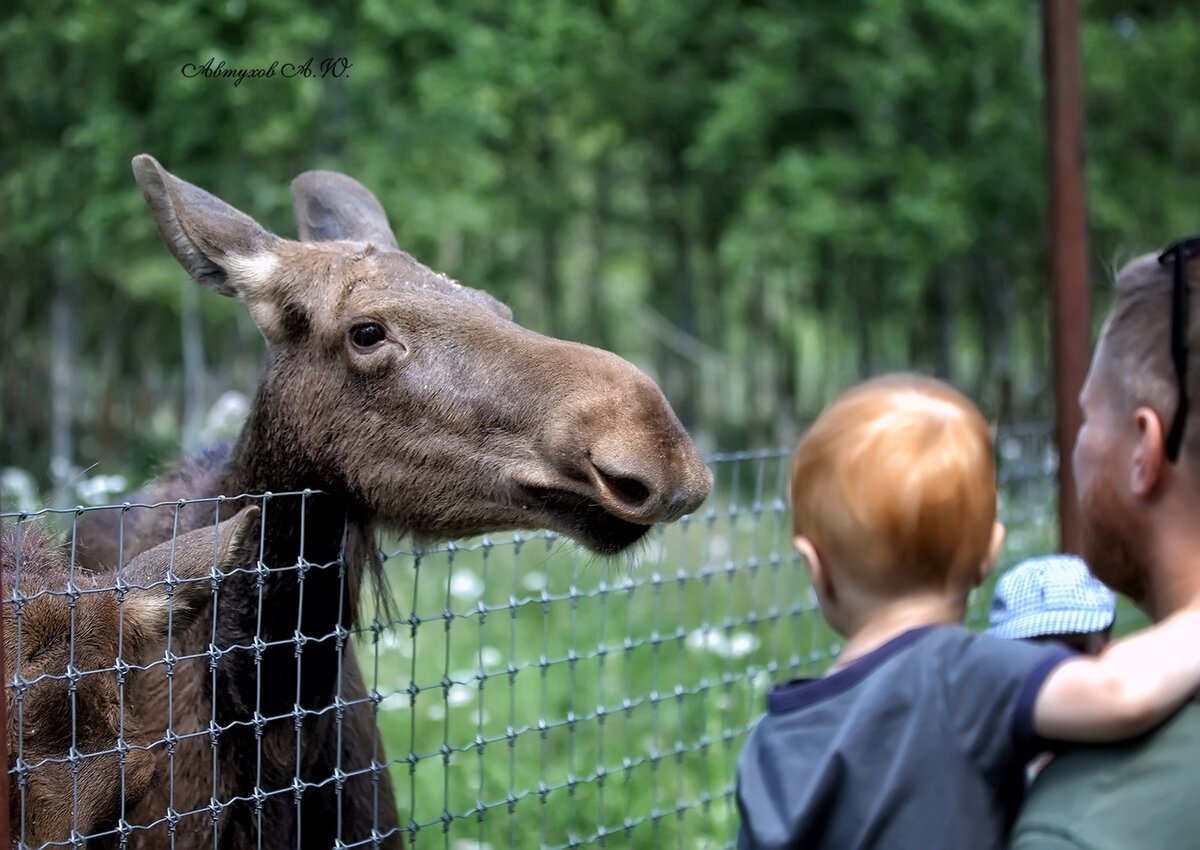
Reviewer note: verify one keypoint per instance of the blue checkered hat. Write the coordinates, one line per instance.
(1050, 595)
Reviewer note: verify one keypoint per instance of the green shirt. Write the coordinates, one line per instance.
(1140, 795)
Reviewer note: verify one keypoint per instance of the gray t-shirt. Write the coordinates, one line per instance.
(919, 745)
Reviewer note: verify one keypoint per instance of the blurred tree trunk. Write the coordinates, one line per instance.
(450, 254)
(936, 330)
(823, 304)
(863, 306)
(17, 418)
(595, 330)
(548, 240)
(683, 280)
(996, 305)
(759, 357)
(787, 376)
(681, 248)
(106, 431)
(64, 303)
(191, 335)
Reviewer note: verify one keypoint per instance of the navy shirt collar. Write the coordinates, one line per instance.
(799, 693)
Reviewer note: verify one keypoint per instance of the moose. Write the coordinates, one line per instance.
(73, 628)
(392, 398)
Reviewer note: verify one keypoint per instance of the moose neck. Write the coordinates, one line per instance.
(321, 518)
(317, 545)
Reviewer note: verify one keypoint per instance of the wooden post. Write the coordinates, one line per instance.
(1070, 330)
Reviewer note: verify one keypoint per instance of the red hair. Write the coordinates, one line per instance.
(895, 485)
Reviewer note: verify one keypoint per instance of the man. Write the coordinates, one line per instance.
(1137, 465)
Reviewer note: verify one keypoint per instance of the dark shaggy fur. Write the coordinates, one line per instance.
(88, 628)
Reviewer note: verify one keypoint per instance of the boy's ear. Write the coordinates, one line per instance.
(816, 567)
(998, 534)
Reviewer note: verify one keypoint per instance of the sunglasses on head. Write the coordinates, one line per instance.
(1177, 255)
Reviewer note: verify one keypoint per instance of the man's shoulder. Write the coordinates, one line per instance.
(1142, 791)
(1150, 760)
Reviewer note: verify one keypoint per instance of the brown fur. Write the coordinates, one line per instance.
(43, 721)
(457, 422)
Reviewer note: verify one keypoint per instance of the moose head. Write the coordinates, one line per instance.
(419, 400)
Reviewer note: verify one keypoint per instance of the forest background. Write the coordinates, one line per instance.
(757, 202)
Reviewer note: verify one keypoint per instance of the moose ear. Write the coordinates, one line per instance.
(148, 612)
(220, 247)
(331, 206)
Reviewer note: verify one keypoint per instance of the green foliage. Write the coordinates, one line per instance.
(757, 202)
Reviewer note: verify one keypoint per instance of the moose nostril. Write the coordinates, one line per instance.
(629, 490)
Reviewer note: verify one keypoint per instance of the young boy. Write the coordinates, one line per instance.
(917, 737)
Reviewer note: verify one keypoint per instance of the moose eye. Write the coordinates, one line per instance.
(367, 335)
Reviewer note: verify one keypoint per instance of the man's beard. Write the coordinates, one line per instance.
(1114, 541)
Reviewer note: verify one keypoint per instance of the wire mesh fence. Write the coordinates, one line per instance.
(523, 692)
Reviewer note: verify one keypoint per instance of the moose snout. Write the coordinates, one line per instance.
(616, 444)
(647, 496)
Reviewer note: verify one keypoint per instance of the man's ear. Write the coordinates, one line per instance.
(999, 532)
(1148, 453)
(817, 573)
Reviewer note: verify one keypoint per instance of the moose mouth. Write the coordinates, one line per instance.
(582, 519)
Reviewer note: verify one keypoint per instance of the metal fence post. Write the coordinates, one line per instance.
(1071, 311)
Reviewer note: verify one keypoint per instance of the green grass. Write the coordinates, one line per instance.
(537, 696)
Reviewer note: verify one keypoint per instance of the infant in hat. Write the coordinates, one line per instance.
(1053, 598)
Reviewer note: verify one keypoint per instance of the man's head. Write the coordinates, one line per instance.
(1130, 492)
(894, 492)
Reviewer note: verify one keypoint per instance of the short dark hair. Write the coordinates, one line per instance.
(1134, 351)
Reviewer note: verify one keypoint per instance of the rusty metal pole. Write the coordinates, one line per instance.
(1070, 329)
(4, 802)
